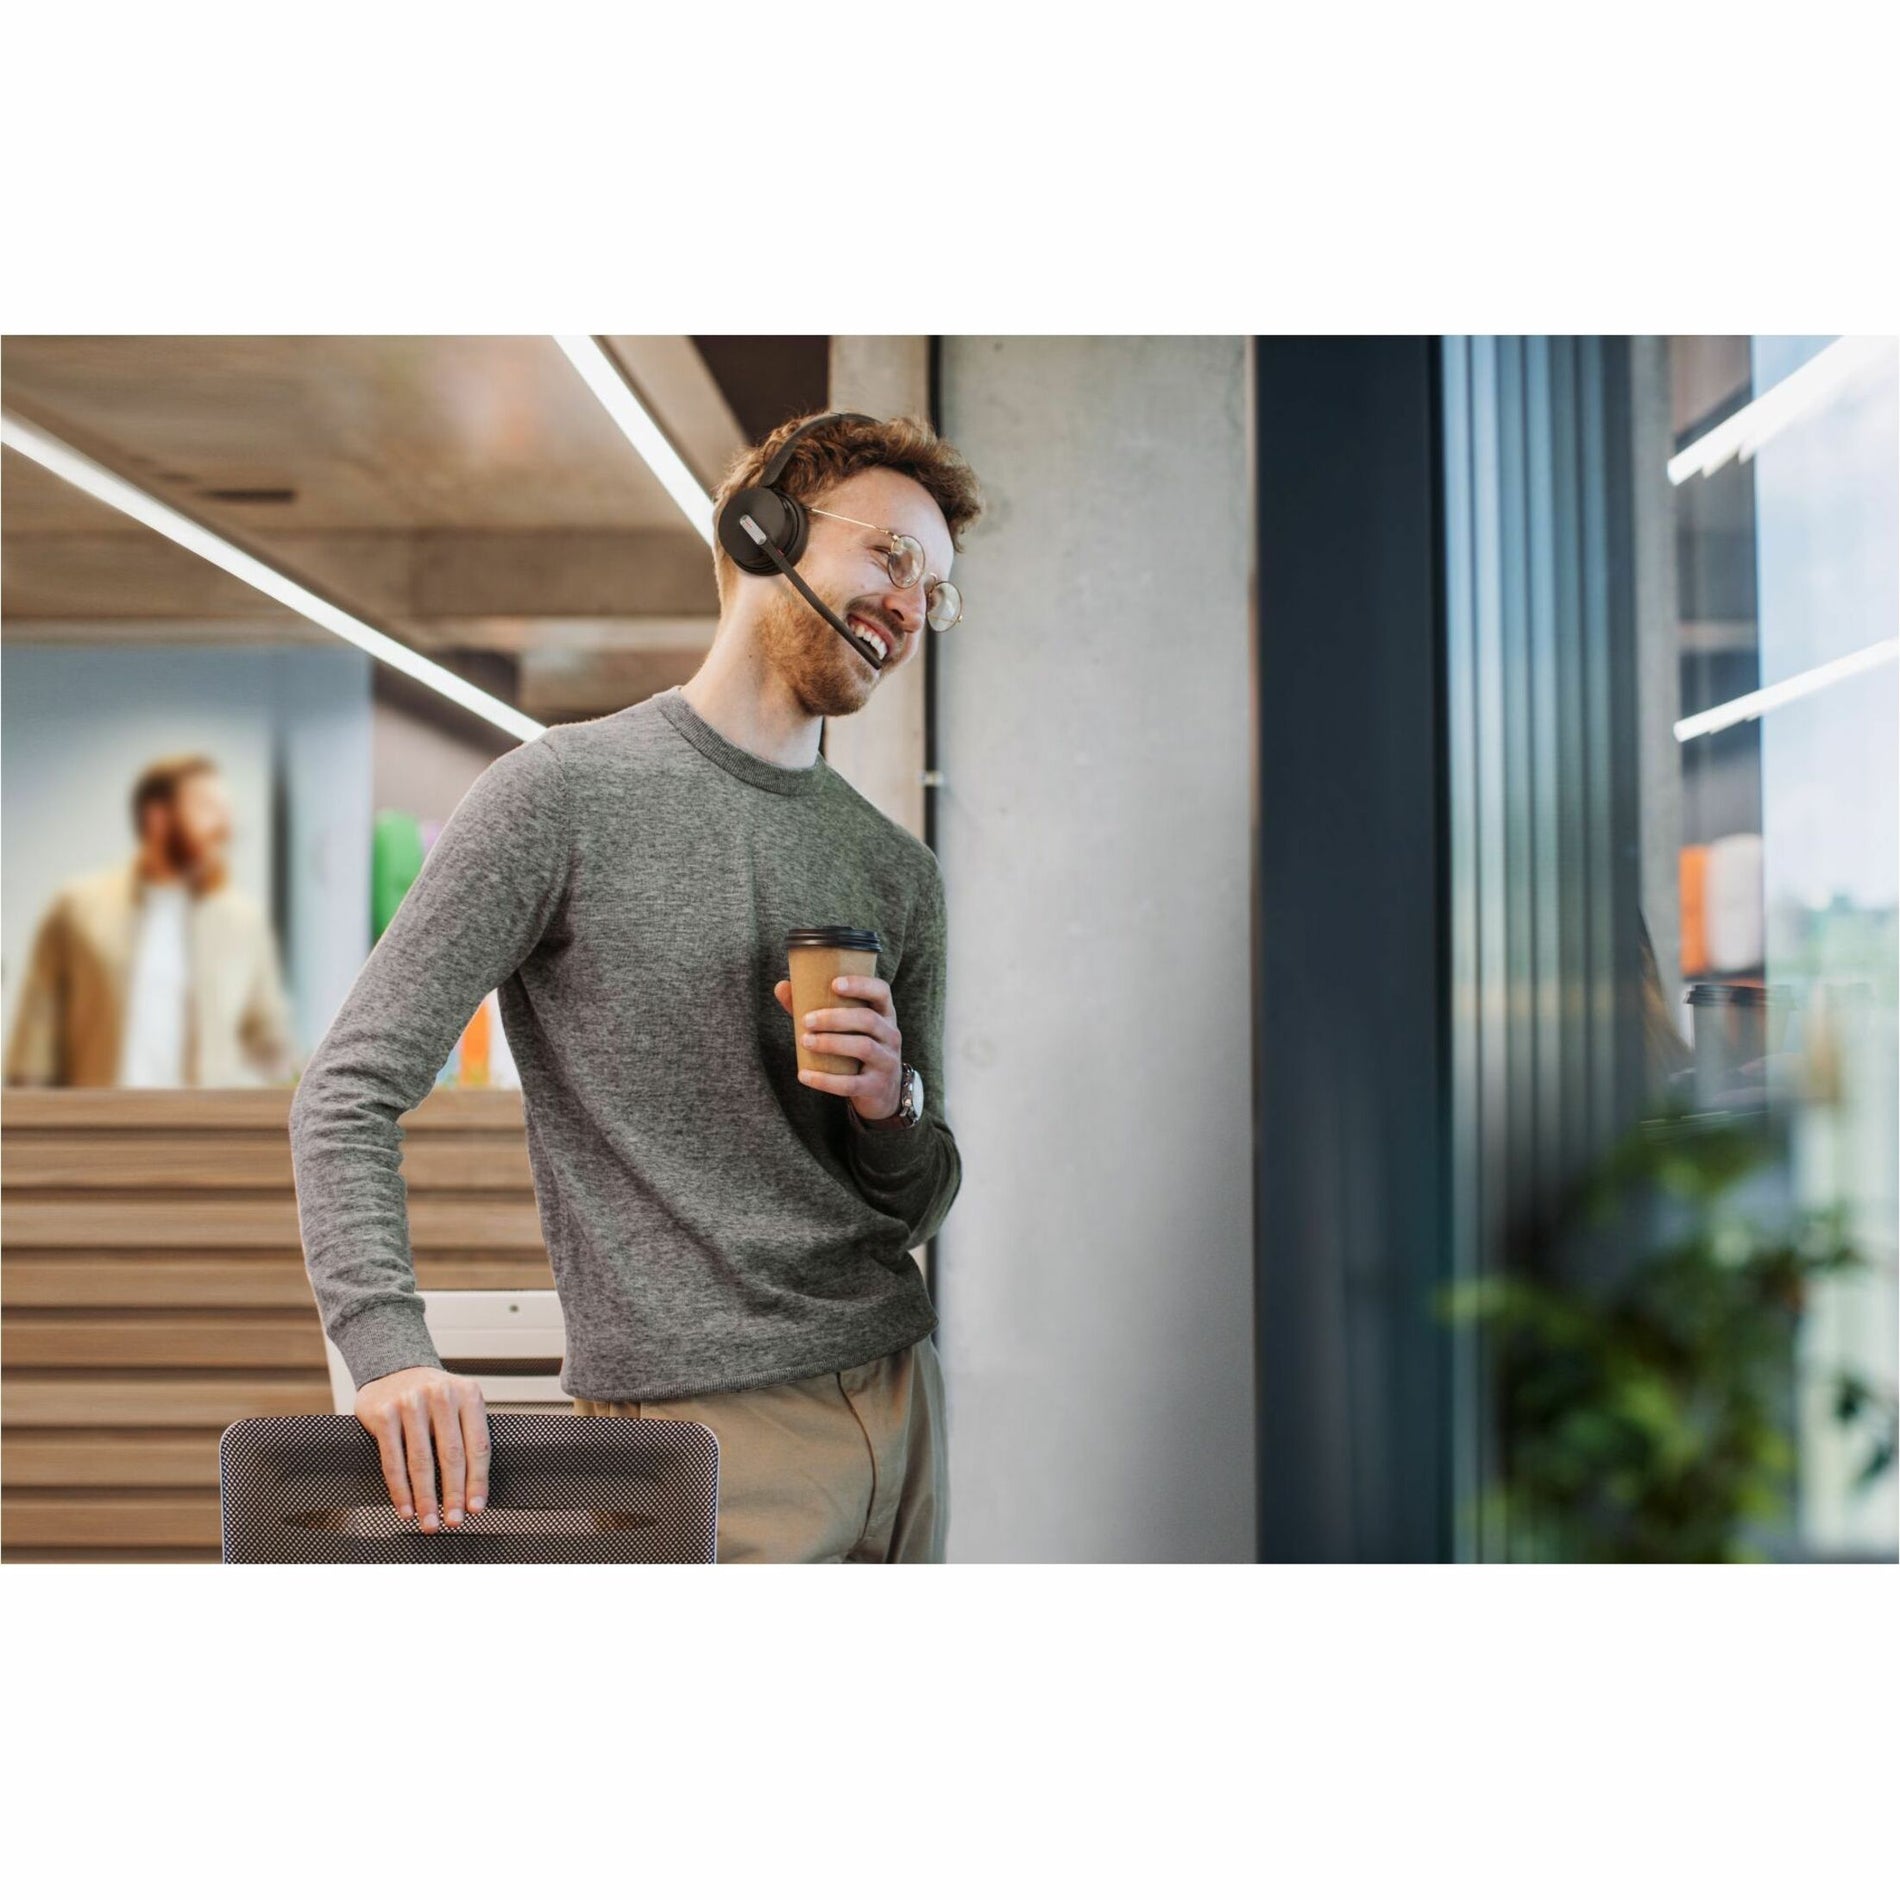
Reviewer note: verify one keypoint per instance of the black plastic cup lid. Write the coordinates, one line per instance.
(1748, 995)
(832, 937)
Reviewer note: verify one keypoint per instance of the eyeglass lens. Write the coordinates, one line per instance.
(906, 560)
(943, 607)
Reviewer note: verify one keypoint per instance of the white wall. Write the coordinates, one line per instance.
(1095, 730)
(78, 725)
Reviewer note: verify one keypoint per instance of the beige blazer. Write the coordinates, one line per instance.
(70, 1021)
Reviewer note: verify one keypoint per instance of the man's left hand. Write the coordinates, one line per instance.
(863, 1025)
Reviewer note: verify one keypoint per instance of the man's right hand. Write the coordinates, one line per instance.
(403, 1411)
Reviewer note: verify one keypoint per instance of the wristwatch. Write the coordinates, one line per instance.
(910, 1104)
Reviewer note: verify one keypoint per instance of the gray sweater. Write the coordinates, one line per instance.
(626, 884)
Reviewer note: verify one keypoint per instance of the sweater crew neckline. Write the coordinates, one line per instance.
(789, 780)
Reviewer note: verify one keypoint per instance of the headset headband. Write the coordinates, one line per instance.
(776, 467)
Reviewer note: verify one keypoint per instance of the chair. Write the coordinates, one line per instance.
(512, 1344)
(567, 1489)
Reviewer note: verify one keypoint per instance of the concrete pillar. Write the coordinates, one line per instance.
(1095, 731)
(880, 749)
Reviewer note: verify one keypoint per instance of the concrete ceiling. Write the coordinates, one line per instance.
(468, 494)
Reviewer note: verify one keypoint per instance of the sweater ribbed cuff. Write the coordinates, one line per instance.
(387, 1337)
(895, 1153)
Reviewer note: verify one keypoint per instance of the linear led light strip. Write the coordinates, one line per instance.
(100, 483)
(630, 415)
(1771, 412)
(1753, 705)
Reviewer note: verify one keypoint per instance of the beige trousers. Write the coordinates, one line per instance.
(847, 1467)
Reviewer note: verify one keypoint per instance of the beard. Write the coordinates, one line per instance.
(200, 862)
(826, 675)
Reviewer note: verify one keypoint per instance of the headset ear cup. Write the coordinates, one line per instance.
(785, 523)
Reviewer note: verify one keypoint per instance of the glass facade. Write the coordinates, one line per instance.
(1671, 759)
(1783, 475)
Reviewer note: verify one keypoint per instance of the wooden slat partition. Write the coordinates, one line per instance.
(153, 1290)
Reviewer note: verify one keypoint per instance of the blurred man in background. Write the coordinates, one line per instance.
(156, 973)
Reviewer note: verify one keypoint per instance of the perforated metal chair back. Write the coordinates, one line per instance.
(561, 1490)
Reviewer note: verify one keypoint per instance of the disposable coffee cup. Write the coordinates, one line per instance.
(817, 955)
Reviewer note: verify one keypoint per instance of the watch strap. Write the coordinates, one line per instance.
(906, 1097)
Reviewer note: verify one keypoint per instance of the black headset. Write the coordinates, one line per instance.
(764, 530)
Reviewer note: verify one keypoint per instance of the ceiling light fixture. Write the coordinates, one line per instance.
(1774, 409)
(1752, 705)
(631, 416)
(130, 500)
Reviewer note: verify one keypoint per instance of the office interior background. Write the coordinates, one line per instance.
(1419, 823)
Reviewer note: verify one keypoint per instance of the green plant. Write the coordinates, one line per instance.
(1643, 1352)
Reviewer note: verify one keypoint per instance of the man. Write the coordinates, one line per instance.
(730, 1230)
(155, 973)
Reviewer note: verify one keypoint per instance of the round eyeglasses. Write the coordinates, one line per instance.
(903, 556)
